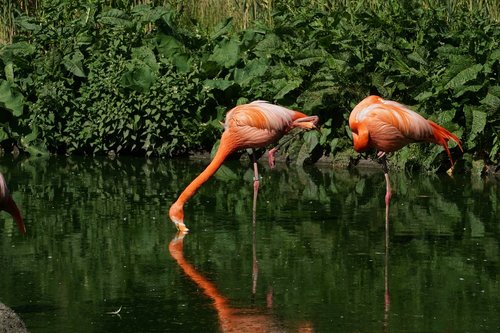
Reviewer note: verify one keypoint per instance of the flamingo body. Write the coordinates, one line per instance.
(7, 204)
(253, 125)
(388, 126)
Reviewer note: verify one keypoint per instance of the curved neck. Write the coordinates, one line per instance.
(225, 148)
(361, 138)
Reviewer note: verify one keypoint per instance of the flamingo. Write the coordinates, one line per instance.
(254, 125)
(7, 204)
(388, 126)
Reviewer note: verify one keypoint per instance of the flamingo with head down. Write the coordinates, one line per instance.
(254, 125)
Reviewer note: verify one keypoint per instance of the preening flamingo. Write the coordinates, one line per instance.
(7, 204)
(254, 125)
(388, 126)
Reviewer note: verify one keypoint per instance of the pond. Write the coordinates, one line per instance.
(100, 254)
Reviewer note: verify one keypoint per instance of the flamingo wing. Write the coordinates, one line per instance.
(257, 124)
(389, 125)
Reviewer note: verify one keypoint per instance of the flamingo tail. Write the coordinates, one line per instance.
(442, 136)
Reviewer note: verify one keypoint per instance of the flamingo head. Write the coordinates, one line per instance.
(360, 137)
(306, 123)
(176, 214)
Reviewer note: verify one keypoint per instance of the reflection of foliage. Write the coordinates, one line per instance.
(98, 230)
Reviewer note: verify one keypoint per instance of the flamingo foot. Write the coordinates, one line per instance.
(271, 154)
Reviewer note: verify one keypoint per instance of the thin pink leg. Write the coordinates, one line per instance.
(388, 190)
(255, 266)
(256, 179)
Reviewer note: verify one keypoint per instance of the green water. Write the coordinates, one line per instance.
(315, 259)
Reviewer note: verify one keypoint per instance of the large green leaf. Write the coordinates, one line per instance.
(116, 17)
(139, 77)
(492, 99)
(285, 86)
(11, 99)
(464, 76)
(147, 56)
(478, 123)
(218, 84)
(73, 63)
(252, 70)
(226, 54)
(268, 45)
(168, 45)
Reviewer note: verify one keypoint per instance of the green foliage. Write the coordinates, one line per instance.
(101, 84)
(87, 78)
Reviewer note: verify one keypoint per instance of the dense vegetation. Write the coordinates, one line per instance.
(96, 78)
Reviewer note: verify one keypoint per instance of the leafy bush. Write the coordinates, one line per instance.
(86, 78)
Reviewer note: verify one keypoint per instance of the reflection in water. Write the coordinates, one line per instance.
(387, 299)
(234, 319)
(97, 232)
(230, 319)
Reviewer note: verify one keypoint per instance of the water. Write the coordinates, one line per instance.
(315, 259)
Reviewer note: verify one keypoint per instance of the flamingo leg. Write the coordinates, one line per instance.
(388, 190)
(274, 150)
(256, 179)
(255, 266)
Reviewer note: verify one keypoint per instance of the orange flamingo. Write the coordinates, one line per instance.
(253, 125)
(388, 126)
(7, 204)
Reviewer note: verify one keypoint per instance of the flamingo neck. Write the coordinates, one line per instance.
(225, 148)
(360, 137)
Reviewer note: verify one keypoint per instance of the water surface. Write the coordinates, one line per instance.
(313, 258)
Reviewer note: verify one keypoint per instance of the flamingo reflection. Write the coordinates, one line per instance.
(232, 319)
(387, 297)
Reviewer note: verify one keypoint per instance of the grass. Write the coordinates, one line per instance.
(209, 13)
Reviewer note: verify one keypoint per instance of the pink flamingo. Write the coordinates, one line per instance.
(7, 204)
(254, 125)
(388, 126)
